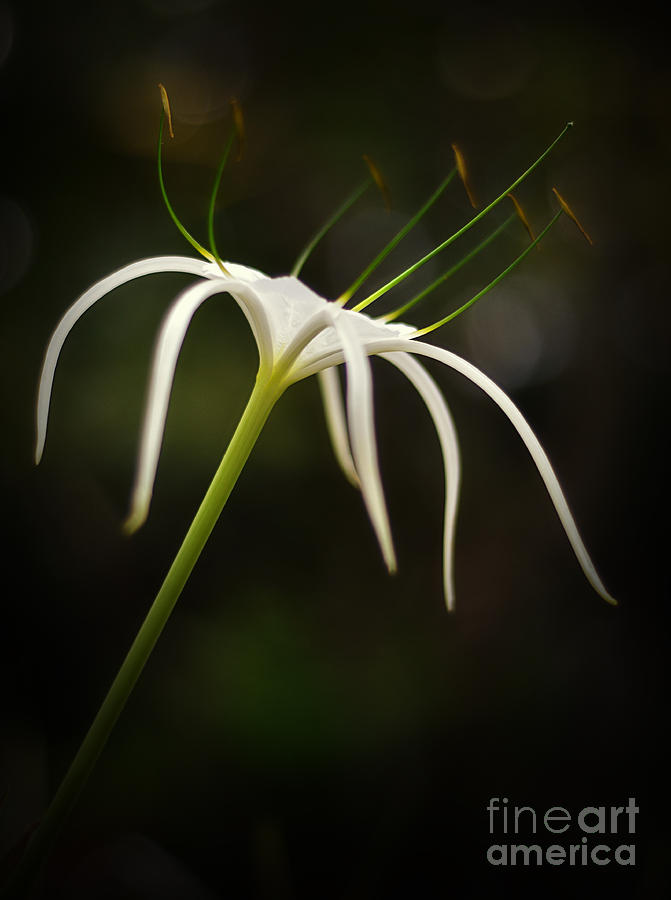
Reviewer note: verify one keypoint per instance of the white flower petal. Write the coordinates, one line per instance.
(320, 363)
(168, 346)
(334, 411)
(523, 429)
(447, 435)
(328, 353)
(315, 324)
(80, 306)
(362, 430)
(254, 309)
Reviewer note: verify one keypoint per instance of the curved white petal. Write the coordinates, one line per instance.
(334, 411)
(322, 363)
(316, 324)
(80, 306)
(255, 312)
(168, 345)
(447, 435)
(362, 430)
(523, 429)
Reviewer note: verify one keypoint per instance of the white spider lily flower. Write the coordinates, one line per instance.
(298, 334)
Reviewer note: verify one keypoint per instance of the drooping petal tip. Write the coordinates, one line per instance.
(336, 424)
(361, 424)
(525, 432)
(136, 518)
(609, 598)
(91, 296)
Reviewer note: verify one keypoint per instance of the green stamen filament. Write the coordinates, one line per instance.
(492, 284)
(326, 227)
(389, 317)
(465, 228)
(213, 201)
(344, 297)
(194, 243)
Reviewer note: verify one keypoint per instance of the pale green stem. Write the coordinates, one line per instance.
(264, 396)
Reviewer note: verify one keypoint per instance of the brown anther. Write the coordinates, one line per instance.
(166, 108)
(463, 174)
(569, 212)
(379, 181)
(239, 123)
(520, 212)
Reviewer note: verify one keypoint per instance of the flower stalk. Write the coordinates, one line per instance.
(265, 394)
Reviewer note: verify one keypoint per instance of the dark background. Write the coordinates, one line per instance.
(307, 725)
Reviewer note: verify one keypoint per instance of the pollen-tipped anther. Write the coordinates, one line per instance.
(569, 212)
(522, 216)
(463, 174)
(166, 108)
(379, 180)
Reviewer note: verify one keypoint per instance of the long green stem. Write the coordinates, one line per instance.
(263, 398)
